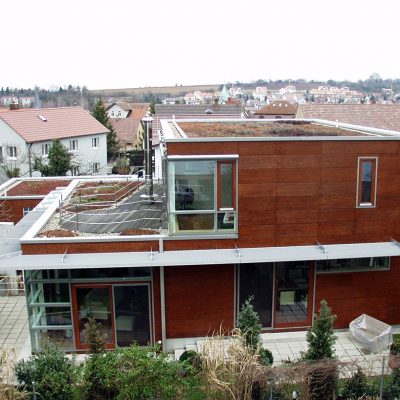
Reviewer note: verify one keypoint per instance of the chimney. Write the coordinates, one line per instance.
(148, 158)
(14, 106)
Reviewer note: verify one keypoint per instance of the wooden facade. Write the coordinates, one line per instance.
(290, 193)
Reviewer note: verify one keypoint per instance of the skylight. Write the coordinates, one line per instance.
(44, 119)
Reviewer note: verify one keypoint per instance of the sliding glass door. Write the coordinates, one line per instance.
(122, 310)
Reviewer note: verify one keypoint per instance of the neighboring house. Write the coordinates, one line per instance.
(125, 119)
(380, 116)
(27, 133)
(288, 212)
(277, 109)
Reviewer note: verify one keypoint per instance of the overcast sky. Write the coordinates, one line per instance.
(127, 43)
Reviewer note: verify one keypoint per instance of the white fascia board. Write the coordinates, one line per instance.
(200, 257)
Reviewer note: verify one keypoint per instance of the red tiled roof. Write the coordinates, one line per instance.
(62, 122)
(126, 128)
(382, 116)
(278, 107)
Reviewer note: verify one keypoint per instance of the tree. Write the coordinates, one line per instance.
(59, 161)
(322, 376)
(99, 112)
(320, 337)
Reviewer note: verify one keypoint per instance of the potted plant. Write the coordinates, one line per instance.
(394, 355)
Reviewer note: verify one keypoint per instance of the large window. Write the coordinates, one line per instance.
(366, 190)
(202, 196)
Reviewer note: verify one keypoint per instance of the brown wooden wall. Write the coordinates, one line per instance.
(352, 294)
(295, 193)
(13, 209)
(198, 300)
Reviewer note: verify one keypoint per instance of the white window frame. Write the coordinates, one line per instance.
(96, 167)
(12, 152)
(45, 149)
(95, 142)
(358, 194)
(26, 210)
(73, 145)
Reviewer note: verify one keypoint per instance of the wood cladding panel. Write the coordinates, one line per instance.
(298, 175)
(352, 294)
(198, 300)
(13, 209)
(72, 248)
(366, 148)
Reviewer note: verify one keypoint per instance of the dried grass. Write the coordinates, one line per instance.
(230, 368)
(8, 390)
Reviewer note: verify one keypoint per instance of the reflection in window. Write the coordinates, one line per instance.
(292, 292)
(353, 264)
(366, 182)
(257, 280)
(202, 196)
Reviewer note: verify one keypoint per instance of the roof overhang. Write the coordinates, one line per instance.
(200, 257)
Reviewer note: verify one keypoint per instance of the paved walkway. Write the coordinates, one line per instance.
(14, 331)
(289, 345)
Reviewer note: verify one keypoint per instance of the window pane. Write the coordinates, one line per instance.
(55, 292)
(257, 280)
(110, 273)
(52, 316)
(353, 264)
(226, 200)
(292, 292)
(194, 222)
(366, 182)
(226, 220)
(194, 185)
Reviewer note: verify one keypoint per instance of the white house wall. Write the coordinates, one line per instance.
(86, 156)
(117, 112)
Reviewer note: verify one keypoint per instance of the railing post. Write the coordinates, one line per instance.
(77, 221)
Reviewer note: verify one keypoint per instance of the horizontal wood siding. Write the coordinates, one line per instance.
(13, 209)
(297, 193)
(352, 294)
(199, 300)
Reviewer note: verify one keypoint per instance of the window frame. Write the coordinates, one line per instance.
(95, 142)
(96, 167)
(26, 210)
(45, 149)
(374, 182)
(73, 145)
(12, 152)
(172, 212)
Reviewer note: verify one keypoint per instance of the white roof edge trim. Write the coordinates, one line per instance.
(201, 257)
(204, 157)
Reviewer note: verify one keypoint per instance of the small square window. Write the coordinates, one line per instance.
(26, 210)
(12, 151)
(73, 145)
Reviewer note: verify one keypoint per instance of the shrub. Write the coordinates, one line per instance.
(356, 386)
(322, 377)
(51, 370)
(136, 373)
(266, 357)
(249, 324)
(191, 358)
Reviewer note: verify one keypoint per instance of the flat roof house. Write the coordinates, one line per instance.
(290, 212)
(26, 133)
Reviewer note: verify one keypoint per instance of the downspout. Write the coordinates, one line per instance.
(30, 159)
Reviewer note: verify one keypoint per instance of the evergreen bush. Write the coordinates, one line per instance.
(356, 386)
(52, 371)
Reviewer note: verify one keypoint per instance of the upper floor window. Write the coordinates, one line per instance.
(45, 149)
(118, 113)
(73, 145)
(202, 196)
(95, 143)
(12, 151)
(367, 178)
